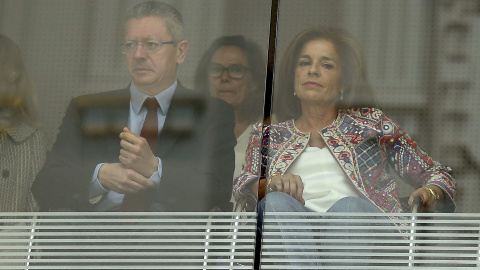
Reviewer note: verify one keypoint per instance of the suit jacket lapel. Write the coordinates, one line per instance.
(119, 120)
(179, 120)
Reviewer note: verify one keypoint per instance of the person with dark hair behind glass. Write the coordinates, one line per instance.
(233, 69)
(154, 146)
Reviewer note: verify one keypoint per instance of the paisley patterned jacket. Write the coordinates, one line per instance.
(366, 144)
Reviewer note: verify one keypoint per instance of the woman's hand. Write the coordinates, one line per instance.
(288, 183)
(429, 199)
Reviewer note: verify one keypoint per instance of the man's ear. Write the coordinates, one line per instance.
(182, 48)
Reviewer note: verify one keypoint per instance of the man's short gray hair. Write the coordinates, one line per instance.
(172, 16)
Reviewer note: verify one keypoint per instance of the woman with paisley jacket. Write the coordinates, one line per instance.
(332, 151)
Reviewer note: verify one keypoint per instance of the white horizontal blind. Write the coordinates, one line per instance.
(127, 241)
(371, 241)
(227, 241)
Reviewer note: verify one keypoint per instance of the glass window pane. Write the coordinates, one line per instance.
(352, 134)
(95, 138)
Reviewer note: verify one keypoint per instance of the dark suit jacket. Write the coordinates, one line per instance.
(195, 146)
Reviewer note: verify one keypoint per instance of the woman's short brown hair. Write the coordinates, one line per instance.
(353, 79)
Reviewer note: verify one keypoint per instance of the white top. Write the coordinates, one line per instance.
(323, 180)
(240, 150)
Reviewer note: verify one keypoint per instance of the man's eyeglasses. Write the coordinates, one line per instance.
(150, 46)
(234, 71)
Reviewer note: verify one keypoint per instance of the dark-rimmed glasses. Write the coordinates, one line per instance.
(234, 71)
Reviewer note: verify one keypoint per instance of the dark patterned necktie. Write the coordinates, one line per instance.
(139, 202)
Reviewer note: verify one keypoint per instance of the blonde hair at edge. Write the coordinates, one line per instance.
(16, 89)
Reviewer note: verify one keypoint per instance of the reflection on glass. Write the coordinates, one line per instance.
(456, 41)
(96, 150)
(72, 48)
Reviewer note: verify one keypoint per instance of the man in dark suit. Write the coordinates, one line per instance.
(101, 159)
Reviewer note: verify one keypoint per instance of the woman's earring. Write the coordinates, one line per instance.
(294, 93)
(341, 95)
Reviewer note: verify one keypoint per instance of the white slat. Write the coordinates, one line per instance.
(127, 241)
(370, 241)
(226, 241)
